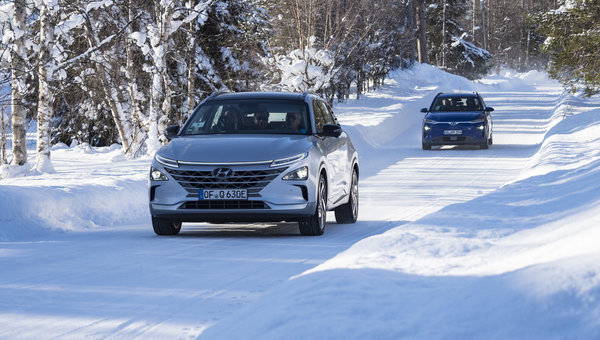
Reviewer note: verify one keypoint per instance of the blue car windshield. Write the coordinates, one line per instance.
(249, 117)
(456, 104)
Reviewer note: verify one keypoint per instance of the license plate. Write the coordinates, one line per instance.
(453, 132)
(223, 194)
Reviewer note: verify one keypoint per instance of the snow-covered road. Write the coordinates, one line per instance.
(96, 269)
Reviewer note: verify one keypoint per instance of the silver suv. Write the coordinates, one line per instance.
(255, 157)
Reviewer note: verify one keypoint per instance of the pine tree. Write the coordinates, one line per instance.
(573, 43)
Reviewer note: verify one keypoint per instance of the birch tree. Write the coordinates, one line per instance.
(168, 17)
(18, 85)
(45, 98)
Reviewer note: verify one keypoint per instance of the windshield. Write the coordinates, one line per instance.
(249, 117)
(456, 104)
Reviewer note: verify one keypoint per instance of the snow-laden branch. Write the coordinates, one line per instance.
(91, 50)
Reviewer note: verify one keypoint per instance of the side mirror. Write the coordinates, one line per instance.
(171, 131)
(424, 110)
(332, 130)
(489, 109)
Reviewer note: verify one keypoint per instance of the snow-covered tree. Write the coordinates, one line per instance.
(573, 41)
(449, 44)
(327, 45)
(45, 95)
(15, 36)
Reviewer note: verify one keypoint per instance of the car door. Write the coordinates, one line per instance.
(337, 157)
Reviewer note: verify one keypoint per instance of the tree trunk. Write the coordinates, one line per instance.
(139, 123)
(483, 30)
(473, 22)
(18, 89)
(413, 54)
(444, 35)
(421, 31)
(44, 114)
(160, 100)
(110, 94)
(3, 136)
(191, 74)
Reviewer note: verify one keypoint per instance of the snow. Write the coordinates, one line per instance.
(451, 243)
(139, 38)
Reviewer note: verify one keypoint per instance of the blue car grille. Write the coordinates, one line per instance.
(252, 180)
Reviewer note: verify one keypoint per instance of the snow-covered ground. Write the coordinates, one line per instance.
(458, 243)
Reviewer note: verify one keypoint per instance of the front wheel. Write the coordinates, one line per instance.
(348, 213)
(165, 227)
(426, 146)
(315, 224)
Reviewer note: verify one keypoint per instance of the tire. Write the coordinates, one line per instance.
(487, 143)
(348, 213)
(426, 146)
(165, 227)
(490, 140)
(315, 224)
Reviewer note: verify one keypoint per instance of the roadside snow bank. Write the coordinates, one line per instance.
(78, 196)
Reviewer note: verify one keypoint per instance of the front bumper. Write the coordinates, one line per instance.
(434, 134)
(270, 199)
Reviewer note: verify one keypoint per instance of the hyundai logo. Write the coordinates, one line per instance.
(222, 173)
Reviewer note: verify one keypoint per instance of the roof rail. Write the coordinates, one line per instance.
(216, 93)
(212, 95)
(306, 93)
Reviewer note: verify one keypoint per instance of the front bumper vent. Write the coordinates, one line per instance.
(223, 204)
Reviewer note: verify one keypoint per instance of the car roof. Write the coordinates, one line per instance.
(256, 95)
(458, 94)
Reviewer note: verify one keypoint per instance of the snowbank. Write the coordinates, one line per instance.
(92, 188)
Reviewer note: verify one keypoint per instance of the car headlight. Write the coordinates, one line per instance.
(156, 175)
(429, 121)
(477, 121)
(289, 160)
(480, 127)
(166, 161)
(297, 175)
(426, 127)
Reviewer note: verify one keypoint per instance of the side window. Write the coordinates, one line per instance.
(319, 116)
(327, 113)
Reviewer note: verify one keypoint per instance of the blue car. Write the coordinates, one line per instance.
(457, 119)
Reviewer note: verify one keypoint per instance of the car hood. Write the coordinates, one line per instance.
(452, 116)
(235, 148)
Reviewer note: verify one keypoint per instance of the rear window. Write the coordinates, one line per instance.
(249, 117)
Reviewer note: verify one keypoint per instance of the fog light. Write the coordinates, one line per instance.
(426, 128)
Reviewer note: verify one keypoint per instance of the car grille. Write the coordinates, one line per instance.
(224, 204)
(251, 180)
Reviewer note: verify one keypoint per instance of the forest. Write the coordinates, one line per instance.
(120, 71)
